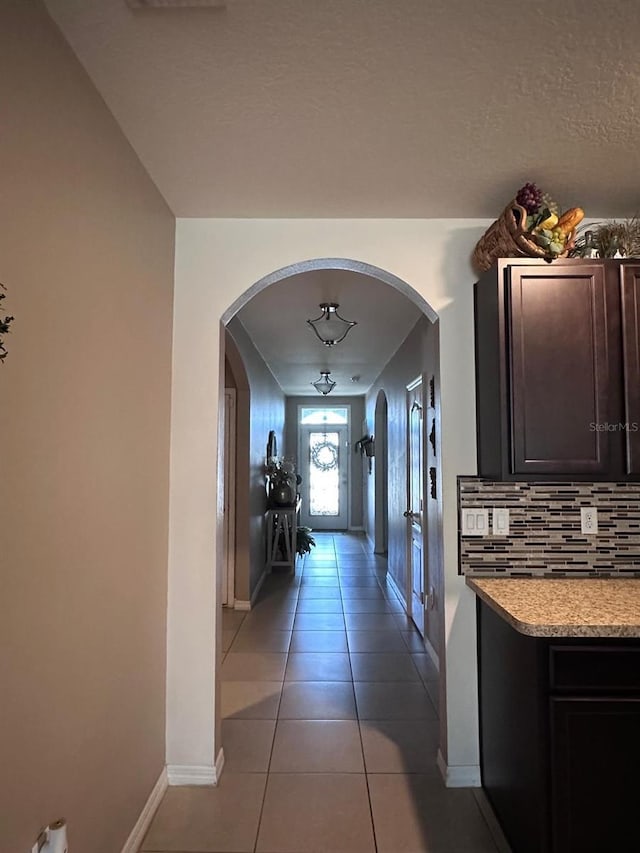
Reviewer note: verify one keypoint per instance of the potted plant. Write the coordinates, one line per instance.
(304, 541)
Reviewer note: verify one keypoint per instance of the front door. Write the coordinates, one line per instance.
(324, 463)
(415, 502)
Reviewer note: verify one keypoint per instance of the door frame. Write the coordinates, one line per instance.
(411, 386)
(347, 427)
(229, 543)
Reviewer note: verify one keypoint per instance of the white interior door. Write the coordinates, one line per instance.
(324, 468)
(415, 502)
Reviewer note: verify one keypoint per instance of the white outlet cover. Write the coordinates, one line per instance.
(589, 520)
(475, 521)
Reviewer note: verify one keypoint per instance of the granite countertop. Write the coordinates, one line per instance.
(564, 607)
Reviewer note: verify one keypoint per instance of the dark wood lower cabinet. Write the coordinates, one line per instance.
(560, 739)
(595, 762)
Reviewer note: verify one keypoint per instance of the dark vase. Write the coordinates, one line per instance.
(282, 494)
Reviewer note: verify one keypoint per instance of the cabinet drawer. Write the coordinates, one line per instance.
(594, 668)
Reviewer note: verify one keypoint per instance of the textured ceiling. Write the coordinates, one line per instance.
(367, 108)
(372, 108)
(275, 319)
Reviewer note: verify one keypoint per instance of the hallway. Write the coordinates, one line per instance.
(330, 726)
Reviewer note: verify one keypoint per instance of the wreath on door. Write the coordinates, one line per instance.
(324, 456)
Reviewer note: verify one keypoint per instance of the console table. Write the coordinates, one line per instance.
(281, 530)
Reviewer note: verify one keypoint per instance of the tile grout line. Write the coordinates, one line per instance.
(277, 717)
(364, 761)
(370, 572)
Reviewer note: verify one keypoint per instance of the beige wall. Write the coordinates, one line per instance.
(418, 355)
(86, 250)
(266, 412)
(409, 362)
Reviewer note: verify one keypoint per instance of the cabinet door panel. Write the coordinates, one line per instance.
(595, 753)
(559, 370)
(631, 351)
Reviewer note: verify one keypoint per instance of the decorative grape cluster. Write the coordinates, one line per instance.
(550, 203)
(530, 197)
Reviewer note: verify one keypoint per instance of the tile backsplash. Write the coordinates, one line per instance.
(544, 529)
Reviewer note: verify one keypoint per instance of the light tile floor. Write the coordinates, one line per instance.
(330, 727)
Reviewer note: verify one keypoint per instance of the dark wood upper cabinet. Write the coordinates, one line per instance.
(550, 385)
(557, 323)
(630, 286)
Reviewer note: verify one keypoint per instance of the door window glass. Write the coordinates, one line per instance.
(317, 415)
(324, 473)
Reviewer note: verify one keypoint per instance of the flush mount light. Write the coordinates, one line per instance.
(324, 385)
(330, 327)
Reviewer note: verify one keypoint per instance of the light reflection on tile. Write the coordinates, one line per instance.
(303, 773)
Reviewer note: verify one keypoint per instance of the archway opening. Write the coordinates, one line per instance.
(272, 302)
(382, 486)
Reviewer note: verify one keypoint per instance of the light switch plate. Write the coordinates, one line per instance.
(500, 521)
(475, 521)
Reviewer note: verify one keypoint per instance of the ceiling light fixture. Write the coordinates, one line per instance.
(324, 385)
(330, 327)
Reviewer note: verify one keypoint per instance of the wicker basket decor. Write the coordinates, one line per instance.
(507, 238)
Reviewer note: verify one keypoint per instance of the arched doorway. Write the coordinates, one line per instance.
(374, 503)
(377, 410)
(215, 261)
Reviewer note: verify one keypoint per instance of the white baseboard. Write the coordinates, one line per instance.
(372, 544)
(195, 774)
(394, 586)
(243, 604)
(261, 580)
(432, 653)
(356, 528)
(459, 775)
(219, 764)
(139, 831)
